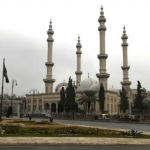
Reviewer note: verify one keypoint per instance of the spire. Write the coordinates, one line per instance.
(50, 26)
(50, 30)
(78, 39)
(88, 75)
(124, 30)
(125, 83)
(102, 13)
(124, 35)
(78, 44)
(78, 52)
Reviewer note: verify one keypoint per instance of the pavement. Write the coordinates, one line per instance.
(72, 141)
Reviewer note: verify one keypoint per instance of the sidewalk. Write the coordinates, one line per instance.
(72, 141)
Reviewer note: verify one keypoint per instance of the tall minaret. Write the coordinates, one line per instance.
(126, 83)
(102, 76)
(78, 52)
(49, 64)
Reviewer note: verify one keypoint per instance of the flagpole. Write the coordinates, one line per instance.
(2, 89)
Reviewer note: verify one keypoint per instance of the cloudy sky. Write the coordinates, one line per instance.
(23, 34)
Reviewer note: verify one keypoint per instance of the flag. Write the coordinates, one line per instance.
(5, 74)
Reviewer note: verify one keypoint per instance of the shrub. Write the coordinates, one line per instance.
(38, 130)
(41, 122)
(9, 129)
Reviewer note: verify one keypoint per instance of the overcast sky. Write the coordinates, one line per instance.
(23, 35)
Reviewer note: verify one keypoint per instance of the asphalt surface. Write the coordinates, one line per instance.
(135, 126)
(73, 148)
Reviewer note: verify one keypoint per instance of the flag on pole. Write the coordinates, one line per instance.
(5, 74)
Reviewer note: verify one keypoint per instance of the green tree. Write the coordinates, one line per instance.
(70, 96)
(101, 98)
(87, 97)
(61, 104)
(139, 98)
(124, 105)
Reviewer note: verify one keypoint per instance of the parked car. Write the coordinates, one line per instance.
(104, 117)
(48, 115)
(124, 118)
(134, 118)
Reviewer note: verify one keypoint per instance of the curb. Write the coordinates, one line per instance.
(70, 144)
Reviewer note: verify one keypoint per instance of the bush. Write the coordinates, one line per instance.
(9, 129)
(38, 130)
(41, 122)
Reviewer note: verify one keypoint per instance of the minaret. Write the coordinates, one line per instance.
(78, 52)
(126, 83)
(102, 76)
(49, 64)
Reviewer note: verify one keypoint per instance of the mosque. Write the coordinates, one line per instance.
(48, 101)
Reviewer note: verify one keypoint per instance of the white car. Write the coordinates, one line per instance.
(48, 115)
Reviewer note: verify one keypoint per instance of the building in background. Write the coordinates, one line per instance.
(42, 102)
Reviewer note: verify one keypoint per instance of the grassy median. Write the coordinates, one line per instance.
(9, 130)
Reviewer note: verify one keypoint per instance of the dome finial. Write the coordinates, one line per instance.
(124, 29)
(102, 13)
(88, 75)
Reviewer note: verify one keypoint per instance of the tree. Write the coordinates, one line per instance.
(139, 98)
(70, 96)
(124, 105)
(87, 97)
(61, 104)
(101, 98)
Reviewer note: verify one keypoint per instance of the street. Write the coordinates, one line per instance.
(73, 148)
(135, 126)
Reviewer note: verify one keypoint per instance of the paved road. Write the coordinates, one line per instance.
(135, 126)
(73, 148)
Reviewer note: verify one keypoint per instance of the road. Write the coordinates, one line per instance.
(135, 126)
(73, 148)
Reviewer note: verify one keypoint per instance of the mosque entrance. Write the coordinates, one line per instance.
(46, 106)
(53, 107)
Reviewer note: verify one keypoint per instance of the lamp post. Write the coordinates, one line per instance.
(14, 82)
(34, 91)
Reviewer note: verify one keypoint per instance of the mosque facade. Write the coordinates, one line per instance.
(39, 103)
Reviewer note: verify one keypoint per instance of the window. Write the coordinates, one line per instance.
(112, 100)
(115, 109)
(40, 100)
(29, 101)
(108, 107)
(40, 107)
(34, 107)
(46, 89)
(111, 107)
(108, 99)
(29, 107)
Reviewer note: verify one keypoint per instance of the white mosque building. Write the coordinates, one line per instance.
(41, 102)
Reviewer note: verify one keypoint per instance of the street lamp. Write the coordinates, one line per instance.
(14, 82)
(34, 91)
